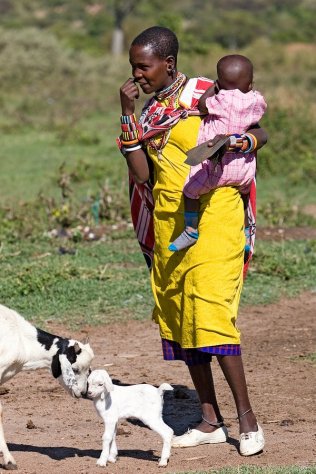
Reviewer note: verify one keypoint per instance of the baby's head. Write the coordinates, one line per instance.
(235, 71)
(99, 384)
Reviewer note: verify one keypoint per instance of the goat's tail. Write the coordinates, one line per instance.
(164, 387)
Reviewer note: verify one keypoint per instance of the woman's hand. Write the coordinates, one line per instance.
(128, 93)
(222, 150)
(258, 132)
(216, 139)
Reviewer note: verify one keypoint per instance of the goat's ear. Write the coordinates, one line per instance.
(56, 368)
(77, 348)
(67, 371)
(108, 385)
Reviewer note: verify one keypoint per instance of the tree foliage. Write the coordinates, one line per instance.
(232, 24)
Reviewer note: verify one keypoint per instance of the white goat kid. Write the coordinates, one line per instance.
(113, 402)
(24, 347)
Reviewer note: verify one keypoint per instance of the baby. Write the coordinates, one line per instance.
(113, 402)
(232, 107)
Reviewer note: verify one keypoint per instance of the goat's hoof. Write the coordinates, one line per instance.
(112, 459)
(10, 466)
(101, 463)
(163, 463)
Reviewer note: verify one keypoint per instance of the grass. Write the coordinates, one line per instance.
(311, 358)
(256, 470)
(90, 154)
(282, 204)
(280, 269)
(36, 155)
(102, 282)
(107, 280)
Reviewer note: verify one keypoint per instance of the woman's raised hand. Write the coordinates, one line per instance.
(128, 93)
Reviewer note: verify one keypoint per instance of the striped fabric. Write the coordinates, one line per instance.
(142, 207)
(173, 351)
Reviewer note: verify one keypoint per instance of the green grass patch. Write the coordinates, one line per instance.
(282, 205)
(280, 269)
(101, 282)
(256, 470)
(35, 157)
(107, 280)
(306, 358)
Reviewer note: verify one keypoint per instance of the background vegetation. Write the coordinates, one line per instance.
(67, 249)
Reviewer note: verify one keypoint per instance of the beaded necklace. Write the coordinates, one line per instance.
(172, 89)
(170, 93)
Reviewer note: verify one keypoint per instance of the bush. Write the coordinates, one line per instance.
(46, 85)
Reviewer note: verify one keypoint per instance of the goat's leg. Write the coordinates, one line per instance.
(113, 449)
(107, 439)
(166, 433)
(9, 462)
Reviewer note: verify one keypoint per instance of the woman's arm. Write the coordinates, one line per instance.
(136, 159)
(259, 133)
(138, 166)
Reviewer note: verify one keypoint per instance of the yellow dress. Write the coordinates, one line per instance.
(196, 290)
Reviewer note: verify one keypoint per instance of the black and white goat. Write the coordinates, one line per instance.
(25, 347)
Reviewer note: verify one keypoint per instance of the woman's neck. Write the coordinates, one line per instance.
(172, 89)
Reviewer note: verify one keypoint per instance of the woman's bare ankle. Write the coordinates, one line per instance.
(209, 424)
(247, 422)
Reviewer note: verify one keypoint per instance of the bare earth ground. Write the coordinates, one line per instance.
(50, 432)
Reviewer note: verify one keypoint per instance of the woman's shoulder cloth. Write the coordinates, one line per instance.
(193, 90)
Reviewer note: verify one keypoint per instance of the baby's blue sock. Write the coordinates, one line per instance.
(190, 235)
(248, 243)
(247, 234)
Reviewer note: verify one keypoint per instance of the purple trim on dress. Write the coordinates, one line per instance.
(173, 351)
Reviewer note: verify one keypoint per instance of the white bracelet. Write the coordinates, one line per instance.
(130, 148)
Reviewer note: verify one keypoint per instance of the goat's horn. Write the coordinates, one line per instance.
(86, 340)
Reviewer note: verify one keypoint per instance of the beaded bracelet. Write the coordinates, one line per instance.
(245, 143)
(130, 142)
(252, 142)
(236, 143)
(129, 128)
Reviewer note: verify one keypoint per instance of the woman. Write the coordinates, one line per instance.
(197, 290)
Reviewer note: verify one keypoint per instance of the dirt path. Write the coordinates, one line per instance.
(66, 433)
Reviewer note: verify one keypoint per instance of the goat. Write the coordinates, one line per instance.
(113, 402)
(25, 347)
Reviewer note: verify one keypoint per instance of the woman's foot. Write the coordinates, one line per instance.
(251, 434)
(252, 442)
(204, 433)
